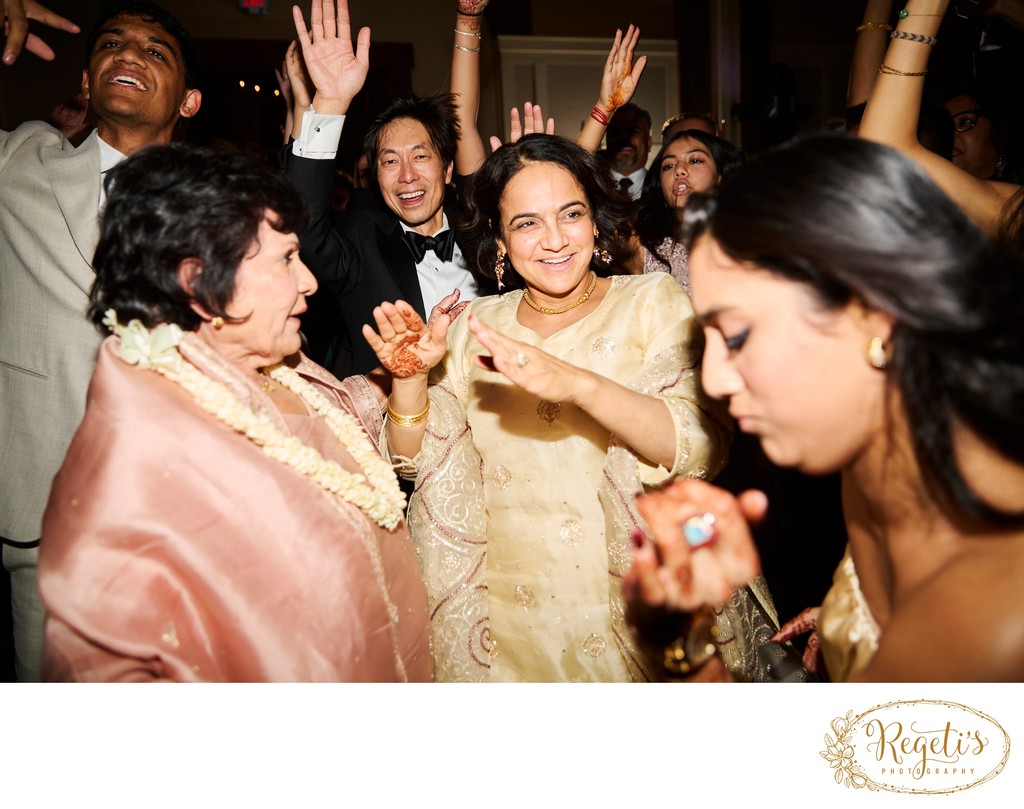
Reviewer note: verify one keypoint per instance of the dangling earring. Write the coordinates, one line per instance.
(1000, 167)
(499, 267)
(599, 252)
(217, 322)
(876, 353)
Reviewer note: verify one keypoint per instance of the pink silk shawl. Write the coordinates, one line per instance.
(174, 549)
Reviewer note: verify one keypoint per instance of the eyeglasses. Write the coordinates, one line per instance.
(966, 120)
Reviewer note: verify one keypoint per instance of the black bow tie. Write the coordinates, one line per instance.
(443, 244)
(625, 182)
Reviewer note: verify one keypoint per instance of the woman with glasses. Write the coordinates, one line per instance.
(980, 145)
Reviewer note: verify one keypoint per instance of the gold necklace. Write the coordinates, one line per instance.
(544, 310)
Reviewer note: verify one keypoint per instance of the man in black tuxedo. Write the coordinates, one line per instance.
(364, 258)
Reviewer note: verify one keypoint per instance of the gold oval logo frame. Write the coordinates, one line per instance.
(884, 731)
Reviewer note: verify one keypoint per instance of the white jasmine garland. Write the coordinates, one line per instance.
(376, 492)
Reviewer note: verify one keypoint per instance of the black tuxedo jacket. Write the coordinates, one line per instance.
(359, 258)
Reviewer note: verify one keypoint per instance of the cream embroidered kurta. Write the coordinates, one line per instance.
(523, 510)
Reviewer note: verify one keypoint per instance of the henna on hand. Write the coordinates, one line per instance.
(803, 623)
(472, 7)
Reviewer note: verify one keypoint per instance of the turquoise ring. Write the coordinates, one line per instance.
(699, 531)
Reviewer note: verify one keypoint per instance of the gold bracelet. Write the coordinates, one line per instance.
(873, 26)
(407, 421)
(693, 649)
(885, 70)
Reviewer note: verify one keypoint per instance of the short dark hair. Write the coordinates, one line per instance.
(437, 114)
(853, 220)
(610, 207)
(179, 201)
(630, 108)
(151, 12)
(655, 220)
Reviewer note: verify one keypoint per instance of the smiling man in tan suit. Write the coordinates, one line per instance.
(142, 75)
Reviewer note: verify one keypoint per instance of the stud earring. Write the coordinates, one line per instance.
(499, 267)
(217, 322)
(877, 355)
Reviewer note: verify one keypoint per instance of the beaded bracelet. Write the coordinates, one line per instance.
(466, 50)
(873, 26)
(885, 70)
(407, 421)
(922, 38)
(599, 115)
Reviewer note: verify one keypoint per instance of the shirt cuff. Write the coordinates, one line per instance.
(319, 137)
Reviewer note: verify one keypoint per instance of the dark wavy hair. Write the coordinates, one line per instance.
(436, 112)
(655, 219)
(151, 12)
(170, 203)
(853, 220)
(610, 207)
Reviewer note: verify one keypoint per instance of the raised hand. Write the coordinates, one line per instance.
(531, 123)
(472, 7)
(338, 72)
(292, 79)
(668, 573)
(16, 14)
(621, 76)
(403, 343)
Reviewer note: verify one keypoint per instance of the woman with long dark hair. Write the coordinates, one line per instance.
(889, 349)
(692, 162)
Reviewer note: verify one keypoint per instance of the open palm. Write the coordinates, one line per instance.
(337, 71)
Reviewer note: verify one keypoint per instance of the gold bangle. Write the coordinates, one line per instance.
(885, 70)
(694, 649)
(873, 26)
(407, 421)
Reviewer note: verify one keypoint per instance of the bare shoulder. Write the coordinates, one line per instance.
(964, 624)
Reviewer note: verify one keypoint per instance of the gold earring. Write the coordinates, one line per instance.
(877, 355)
(499, 267)
(217, 322)
(600, 253)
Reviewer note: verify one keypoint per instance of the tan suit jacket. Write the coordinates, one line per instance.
(49, 226)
